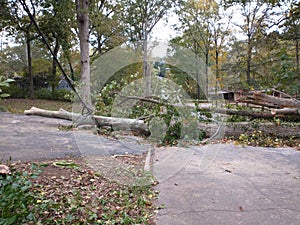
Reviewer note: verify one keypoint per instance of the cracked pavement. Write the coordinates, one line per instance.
(227, 184)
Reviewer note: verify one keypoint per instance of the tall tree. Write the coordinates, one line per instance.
(255, 14)
(82, 8)
(16, 22)
(197, 20)
(291, 29)
(140, 17)
(57, 22)
(106, 29)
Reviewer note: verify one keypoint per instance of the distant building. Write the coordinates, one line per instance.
(63, 84)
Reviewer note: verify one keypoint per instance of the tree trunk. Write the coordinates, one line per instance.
(217, 71)
(71, 68)
(100, 121)
(146, 69)
(197, 75)
(54, 64)
(293, 114)
(82, 7)
(232, 129)
(29, 64)
(206, 72)
(297, 56)
(262, 99)
(249, 58)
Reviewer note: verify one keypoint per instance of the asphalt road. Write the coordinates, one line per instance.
(220, 184)
(34, 137)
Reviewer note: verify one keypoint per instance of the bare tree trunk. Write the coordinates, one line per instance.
(249, 58)
(29, 64)
(146, 69)
(297, 56)
(206, 72)
(71, 68)
(217, 70)
(54, 64)
(197, 75)
(82, 7)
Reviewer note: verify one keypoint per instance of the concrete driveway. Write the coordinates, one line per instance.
(227, 184)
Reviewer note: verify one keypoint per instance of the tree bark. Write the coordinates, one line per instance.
(248, 60)
(82, 7)
(100, 121)
(263, 99)
(206, 72)
(231, 129)
(293, 114)
(297, 56)
(146, 69)
(54, 64)
(29, 64)
(197, 74)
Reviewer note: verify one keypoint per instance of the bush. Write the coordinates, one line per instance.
(4, 83)
(15, 91)
(15, 198)
(61, 95)
(43, 94)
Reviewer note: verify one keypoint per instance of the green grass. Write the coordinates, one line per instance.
(18, 105)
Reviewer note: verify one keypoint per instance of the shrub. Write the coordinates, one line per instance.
(43, 93)
(15, 199)
(15, 91)
(61, 95)
(4, 83)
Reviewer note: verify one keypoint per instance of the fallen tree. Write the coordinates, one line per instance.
(288, 113)
(100, 121)
(275, 106)
(262, 99)
(231, 129)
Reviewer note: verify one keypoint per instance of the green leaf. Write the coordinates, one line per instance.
(4, 95)
(10, 220)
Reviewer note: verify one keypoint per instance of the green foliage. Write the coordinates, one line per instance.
(141, 16)
(4, 83)
(25, 202)
(167, 123)
(105, 99)
(15, 91)
(61, 95)
(16, 199)
(106, 26)
(285, 74)
(236, 118)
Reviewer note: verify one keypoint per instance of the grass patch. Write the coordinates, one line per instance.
(18, 105)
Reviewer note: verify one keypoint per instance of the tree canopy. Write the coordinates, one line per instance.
(243, 44)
